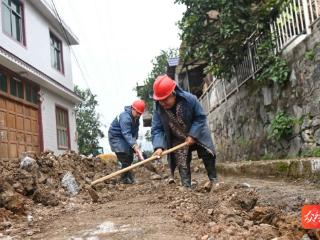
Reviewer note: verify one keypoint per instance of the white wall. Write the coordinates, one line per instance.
(48, 111)
(37, 49)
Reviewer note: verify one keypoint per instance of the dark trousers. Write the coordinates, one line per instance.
(126, 160)
(209, 161)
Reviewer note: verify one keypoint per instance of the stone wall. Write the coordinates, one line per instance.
(240, 125)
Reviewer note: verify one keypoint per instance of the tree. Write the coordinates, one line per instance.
(88, 124)
(214, 31)
(159, 67)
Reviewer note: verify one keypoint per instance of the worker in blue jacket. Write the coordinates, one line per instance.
(178, 117)
(123, 134)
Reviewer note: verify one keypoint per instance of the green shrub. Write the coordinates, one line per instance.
(312, 152)
(281, 127)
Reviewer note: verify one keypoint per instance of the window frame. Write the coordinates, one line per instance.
(21, 15)
(67, 128)
(8, 76)
(18, 83)
(6, 82)
(53, 41)
(34, 92)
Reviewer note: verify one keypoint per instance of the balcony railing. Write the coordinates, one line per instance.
(295, 20)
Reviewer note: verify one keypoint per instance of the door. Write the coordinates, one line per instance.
(19, 128)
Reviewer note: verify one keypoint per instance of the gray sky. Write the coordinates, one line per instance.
(118, 40)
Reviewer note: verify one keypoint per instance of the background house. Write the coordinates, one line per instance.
(36, 88)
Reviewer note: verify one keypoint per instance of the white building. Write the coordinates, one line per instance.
(36, 88)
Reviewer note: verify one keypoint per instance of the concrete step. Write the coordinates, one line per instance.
(306, 168)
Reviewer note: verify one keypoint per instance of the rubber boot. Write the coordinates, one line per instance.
(210, 165)
(185, 176)
(130, 178)
(125, 178)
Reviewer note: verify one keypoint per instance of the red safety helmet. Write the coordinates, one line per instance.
(139, 106)
(163, 86)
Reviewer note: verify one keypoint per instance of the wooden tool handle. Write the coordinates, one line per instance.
(138, 164)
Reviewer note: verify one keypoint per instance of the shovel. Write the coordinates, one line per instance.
(93, 193)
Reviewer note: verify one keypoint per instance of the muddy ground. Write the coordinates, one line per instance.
(234, 208)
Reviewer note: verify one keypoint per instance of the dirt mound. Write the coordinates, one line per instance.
(39, 178)
(230, 212)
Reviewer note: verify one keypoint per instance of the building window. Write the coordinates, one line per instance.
(16, 88)
(56, 53)
(62, 128)
(31, 93)
(12, 19)
(3, 82)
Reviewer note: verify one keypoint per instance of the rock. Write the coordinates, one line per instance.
(211, 224)
(307, 136)
(18, 187)
(205, 237)
(42, 179)
(293, 78)
(30, 220)
(242, 185)
(298, 111)
(69, 182)
(12, 201)
(196, 169)
(28, 164)
(27, 183)
(210, 211)
(231, 231)
(233, 218)
(317, 136)
(247, 224)
(187, 218)
(307, 123)
(208, 186)
(45, 197)
(267, 96)
(316, 122)
(268, 231)
(29, 233)
(259, 214)
(217, 229)
(155, 177)
(6, 224)
(245, 199)
(295, 146)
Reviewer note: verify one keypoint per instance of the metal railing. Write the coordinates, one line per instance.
(295, 20)
(248, 66)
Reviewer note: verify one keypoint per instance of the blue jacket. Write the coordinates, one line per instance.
(194, 118)
(123, 132)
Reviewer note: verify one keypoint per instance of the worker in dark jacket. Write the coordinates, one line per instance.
(123, 134)
(178, 117)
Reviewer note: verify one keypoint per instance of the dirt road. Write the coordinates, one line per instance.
(234, 209)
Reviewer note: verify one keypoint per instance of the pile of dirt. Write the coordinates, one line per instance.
(230, 211)
(47, 179)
